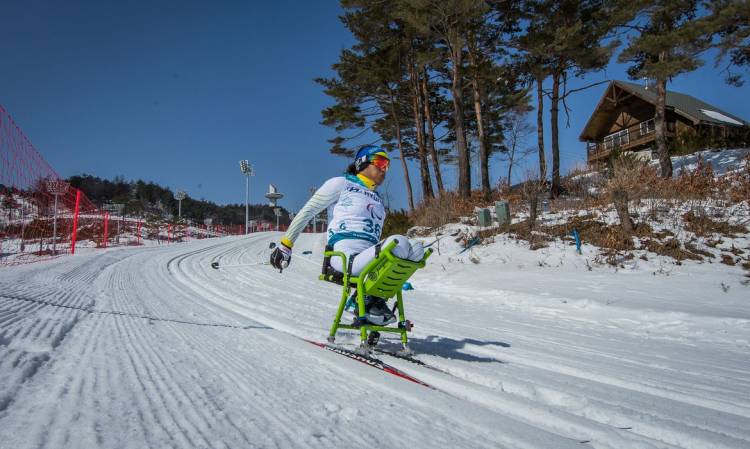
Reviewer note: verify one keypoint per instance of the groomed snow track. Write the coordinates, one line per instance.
(151, 347)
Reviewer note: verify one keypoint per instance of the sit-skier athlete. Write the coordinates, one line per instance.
(356, 214)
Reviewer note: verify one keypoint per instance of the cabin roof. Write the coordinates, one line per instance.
(693, 109)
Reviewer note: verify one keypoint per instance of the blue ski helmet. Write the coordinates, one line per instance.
(365, 155)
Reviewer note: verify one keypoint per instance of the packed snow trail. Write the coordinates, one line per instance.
(151, 347)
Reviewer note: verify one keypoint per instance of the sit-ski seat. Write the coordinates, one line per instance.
(383, 277)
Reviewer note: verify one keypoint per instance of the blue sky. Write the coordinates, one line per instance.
(178, 92)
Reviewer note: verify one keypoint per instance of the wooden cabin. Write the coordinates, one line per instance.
(624, 120)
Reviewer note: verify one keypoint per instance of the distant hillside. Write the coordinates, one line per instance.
(141, 198)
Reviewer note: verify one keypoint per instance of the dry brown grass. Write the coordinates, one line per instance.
(599, 233)
(739, 184)
(736, 251)
(636, 182)
(690, 246)
(448, 208)
(630, 181)
(436, 212)
(703, 184)
(670, 247)
(702, 225)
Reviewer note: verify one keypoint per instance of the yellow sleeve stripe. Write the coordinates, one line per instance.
(286, 242)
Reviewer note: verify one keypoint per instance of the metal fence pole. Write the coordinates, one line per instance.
(54, 228)
(75, 222)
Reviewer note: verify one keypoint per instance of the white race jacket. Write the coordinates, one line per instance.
(354, 212)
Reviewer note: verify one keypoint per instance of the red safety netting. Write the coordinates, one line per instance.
(38, 210)
(41, 216)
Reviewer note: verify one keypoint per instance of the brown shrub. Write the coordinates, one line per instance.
(739, 184)
(671, 248)
(702, 225)
(740, 191)
(579, 184)
(664, 233)
(439, 211)
(436, 212)
(630, 181)
(702, 184)
(596, 232)
(736, 251)
(727, 259)
(695, 184)
(690, 246)
(531, 190)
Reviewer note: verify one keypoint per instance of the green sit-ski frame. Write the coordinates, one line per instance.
(383, 277)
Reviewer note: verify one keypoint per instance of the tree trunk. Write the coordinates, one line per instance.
(554, 109)
(464, 162)
(533, 208)
(510, 169)
(540, 128)
(400, 143)
(484, 158)
(620, 198)
(416, 102)
(660, 125)
(511, 156)
(431, 134)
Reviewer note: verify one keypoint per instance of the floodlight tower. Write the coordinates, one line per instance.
(179, 196)
(273, 196)
(248, 171)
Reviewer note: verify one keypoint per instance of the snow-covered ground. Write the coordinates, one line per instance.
(721, 161)
(151, 347)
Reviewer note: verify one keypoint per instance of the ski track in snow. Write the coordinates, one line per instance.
(150, 347)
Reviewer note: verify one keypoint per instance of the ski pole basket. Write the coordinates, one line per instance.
(382, 277)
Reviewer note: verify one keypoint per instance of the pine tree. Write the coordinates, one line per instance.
(416, 69)
(480, 55)
(729, 22)
(533, 61)
(448, 21)
(427, 94)
(668, 44)
(368, 87)
(568, 38)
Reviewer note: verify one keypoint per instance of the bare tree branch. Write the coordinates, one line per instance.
(566, 93)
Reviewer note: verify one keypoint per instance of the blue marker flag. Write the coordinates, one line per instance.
(578, 240)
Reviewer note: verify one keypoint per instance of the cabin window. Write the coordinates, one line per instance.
(616, 140)
(647, 127)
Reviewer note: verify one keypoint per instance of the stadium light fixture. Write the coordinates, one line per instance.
(248, 171)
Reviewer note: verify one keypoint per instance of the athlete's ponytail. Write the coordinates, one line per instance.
(351, 169)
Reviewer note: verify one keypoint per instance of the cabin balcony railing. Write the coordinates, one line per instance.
(625, 139)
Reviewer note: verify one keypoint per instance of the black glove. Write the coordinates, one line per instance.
(281, 256)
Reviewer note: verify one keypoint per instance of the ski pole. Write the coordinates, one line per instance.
(452, 234)
(215, 265)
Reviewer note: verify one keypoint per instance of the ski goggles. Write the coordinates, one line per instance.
(381, 162)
